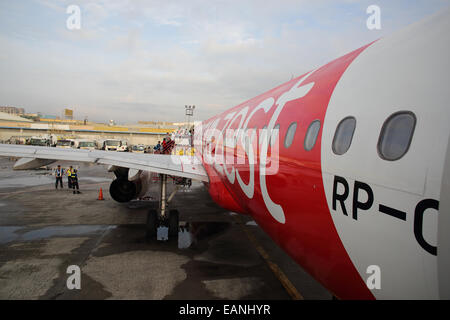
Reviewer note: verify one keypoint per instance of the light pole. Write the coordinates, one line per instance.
(189, 113)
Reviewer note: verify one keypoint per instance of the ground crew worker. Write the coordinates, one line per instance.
(157, 148)
(59, 174)
(74, 178)
(168, 145)
(69, 178)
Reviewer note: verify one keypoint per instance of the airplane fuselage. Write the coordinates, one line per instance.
(344, 166)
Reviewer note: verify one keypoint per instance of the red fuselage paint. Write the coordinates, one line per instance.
(308, 234)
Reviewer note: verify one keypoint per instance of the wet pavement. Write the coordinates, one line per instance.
(43, 231)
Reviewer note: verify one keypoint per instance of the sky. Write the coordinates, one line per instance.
(144, 60)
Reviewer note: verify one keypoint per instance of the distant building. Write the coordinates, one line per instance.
(12, 117)
(48, 116)
(68, 114)
(12, 110)
(159, 123)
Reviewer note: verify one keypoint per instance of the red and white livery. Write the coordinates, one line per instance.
(346, 167)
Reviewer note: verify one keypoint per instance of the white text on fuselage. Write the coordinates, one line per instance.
(224, 148)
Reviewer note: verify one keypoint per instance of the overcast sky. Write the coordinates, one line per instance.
(144, 60)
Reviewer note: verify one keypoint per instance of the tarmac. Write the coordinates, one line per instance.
(217, 255)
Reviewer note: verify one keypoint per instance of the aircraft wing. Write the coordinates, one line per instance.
(181, 166)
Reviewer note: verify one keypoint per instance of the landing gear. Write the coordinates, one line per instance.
(183, 182)
(163, 217)
(152, 224)
(173, 223)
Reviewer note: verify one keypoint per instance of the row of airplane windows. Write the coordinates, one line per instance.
(393, 143)
(394, 140)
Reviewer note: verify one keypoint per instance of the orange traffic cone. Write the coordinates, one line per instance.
(100, 195)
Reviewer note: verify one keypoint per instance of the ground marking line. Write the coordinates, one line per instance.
(279, 274)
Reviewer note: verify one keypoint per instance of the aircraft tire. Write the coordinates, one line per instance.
(173, 223)
(151, 225)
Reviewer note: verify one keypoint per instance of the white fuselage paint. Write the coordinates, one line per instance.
(249, 189)
(297, 91)
(230, 143)
(408, 71)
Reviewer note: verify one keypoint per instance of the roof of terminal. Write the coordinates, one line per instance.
(11, 117)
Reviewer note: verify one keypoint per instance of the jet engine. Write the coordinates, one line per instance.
(129, 184)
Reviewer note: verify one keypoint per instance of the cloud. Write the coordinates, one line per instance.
(144, 60)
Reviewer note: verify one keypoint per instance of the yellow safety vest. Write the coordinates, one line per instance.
(69, 172)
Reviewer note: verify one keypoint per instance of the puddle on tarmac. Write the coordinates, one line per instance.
(189, 233)
(9, 233)
(39, 180)
(94, 179)
(30, 181)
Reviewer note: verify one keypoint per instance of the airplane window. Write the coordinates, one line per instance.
(290, 134)
(344, 135)
(274, 136)
(396, 135)
(311, 135)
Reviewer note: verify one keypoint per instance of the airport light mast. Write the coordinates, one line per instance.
(189, 113)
